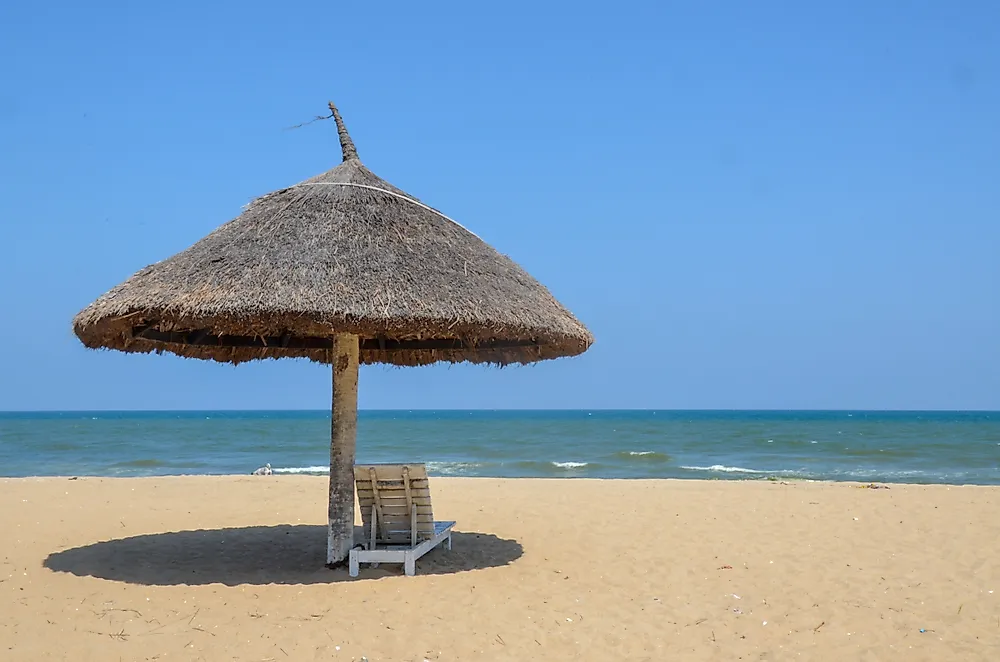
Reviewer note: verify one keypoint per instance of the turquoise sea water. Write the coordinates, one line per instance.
(915, 447)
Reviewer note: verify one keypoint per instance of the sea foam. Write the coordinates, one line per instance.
(720, 468)
(452, 468)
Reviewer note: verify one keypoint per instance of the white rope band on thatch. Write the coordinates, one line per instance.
(392, 193)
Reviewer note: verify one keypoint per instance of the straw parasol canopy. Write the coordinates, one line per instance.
(343, 268)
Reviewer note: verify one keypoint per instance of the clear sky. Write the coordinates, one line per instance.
(751, 205)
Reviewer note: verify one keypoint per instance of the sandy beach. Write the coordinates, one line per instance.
(230, 568)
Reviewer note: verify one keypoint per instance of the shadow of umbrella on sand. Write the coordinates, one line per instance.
(343, 268)
(283, 554)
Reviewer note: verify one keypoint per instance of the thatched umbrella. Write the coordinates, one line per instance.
(343, 268)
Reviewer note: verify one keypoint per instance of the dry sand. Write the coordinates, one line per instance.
(210, 568)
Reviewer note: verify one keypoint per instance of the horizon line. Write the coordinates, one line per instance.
(513, 409)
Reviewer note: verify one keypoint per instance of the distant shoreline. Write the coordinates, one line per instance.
(198, 478)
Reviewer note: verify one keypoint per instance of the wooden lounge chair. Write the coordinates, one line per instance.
(399, 526)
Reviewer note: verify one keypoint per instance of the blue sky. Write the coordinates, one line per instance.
(751, 205)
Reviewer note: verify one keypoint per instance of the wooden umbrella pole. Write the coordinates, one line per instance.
(343, 440)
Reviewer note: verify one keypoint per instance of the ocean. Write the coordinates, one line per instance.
(911, 447)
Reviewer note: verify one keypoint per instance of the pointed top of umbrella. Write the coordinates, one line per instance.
(342, 252)
(346, 144)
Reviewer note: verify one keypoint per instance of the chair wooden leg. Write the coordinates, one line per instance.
(355, 565)
(410, 565)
